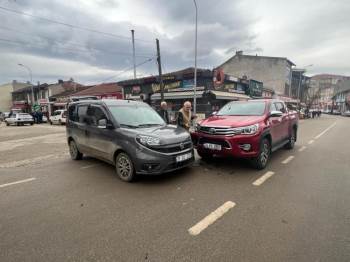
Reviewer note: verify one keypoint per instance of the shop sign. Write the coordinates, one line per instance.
(188, 83)
(43, 101)
(173, 85)
(255, 88)
(229, 86)
(136, 90)
(165, 78)
(182, 89)
(232, 78)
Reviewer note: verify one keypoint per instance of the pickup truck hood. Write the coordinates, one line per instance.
(168, 134)
(231, 121)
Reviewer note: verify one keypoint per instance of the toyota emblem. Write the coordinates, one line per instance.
(212, 130)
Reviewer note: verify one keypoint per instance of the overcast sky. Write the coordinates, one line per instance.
(305, 31)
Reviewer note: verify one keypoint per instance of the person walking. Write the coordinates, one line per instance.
(185, 116)
(163, 112)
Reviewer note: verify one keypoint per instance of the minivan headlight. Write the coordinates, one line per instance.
(247, 130)
(148, 140)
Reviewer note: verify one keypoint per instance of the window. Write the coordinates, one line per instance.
(95, 114)
(280, 107)
(82, 113)
(72, 113)
(251, 108)
(273, 107)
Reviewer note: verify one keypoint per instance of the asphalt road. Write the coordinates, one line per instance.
(56, 209)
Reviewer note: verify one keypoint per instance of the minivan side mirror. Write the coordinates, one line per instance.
(276, 114)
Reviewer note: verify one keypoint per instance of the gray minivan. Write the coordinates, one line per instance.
(128, 134)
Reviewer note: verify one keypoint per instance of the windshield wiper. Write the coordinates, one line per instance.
(149, 125)
(128, 126)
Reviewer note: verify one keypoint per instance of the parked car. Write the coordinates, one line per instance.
(44, 119)
(58, 117)
(248, 129)
(128, 134)
(4, 115)
(19, 119)
(346, 113)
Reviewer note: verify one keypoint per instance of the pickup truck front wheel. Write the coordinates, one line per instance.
(261, 160)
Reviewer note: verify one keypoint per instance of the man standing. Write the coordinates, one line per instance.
(185, 116)
(163, 112)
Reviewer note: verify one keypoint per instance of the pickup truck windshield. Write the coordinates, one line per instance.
(136, 116)
(243, 109)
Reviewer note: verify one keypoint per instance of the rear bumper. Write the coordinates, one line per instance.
(231, 146)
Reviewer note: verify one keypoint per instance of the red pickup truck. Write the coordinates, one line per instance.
(247, 129)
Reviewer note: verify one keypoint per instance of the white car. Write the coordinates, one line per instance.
(58, 117)
(19, 119)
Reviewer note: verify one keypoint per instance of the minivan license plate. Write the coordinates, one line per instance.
(212, 146)
(184, 157)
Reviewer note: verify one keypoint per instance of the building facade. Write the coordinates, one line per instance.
(274, 72)
(341, 97)
(6, 94)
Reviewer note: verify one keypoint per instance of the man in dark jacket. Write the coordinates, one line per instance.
(163, 112)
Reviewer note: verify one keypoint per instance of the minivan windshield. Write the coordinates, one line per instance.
(243, 109)
(136, 116)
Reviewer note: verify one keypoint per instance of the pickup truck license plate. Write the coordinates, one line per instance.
(212, 146)
(184, 157)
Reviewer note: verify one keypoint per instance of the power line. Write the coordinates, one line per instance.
(127, 69)
(72, 26)
(68, 49)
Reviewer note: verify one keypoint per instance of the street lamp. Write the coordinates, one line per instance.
(31, 80)
(195, 65)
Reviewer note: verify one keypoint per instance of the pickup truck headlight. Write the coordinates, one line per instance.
(148, 140)
(247, 130)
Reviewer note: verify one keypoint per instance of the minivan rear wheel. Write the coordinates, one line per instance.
(124, 167)
(74, 152)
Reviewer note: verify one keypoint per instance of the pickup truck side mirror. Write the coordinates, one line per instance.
(276, 114)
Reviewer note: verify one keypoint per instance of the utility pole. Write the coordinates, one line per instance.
(160, 72)
(133, 51)
(195, 64)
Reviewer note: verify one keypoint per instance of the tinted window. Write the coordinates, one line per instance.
(136, 116)
(82, 113)
(72, 113)
(280, 107)
(243, 109)
(273, 107)
(95, 114)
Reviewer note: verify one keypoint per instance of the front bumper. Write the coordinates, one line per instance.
(159, 163)
(230, 145)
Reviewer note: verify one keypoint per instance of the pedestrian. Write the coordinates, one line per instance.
(163, 112)
(185, 116)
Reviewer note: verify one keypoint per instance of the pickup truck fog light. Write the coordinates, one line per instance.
(245, 147)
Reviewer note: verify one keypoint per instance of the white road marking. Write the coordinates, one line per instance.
(325, 131)
(302, 148)
(263, 178)
(287, 160)
(89, 166)
(31, 161)
(211, 218)
(18, 182)
(311, 141)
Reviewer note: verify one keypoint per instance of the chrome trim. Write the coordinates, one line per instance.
(170, 145)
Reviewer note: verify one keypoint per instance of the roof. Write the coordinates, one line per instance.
(255, 56)
(327, 76)
(29, 88)
(102, 89)
(229, 95)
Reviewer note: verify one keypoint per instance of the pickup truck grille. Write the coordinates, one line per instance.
(225, 131)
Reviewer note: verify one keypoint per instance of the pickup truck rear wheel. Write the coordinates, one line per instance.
(292, 139)
(261, 160)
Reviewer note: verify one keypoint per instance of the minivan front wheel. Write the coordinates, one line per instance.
(74, 152)
(124, 167)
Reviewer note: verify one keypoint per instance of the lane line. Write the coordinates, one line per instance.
(263, 178)
(325, 131)
(287, 160)
(302, 148)
(211, 218)
(311, 141)
(89, 166)
(18, 182)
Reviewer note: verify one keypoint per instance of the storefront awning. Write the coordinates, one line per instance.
(229, 95)
(177, 95)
